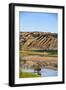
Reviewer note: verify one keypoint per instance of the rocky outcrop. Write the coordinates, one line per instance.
(38, 40)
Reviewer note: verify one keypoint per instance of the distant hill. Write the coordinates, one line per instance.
(38, 40)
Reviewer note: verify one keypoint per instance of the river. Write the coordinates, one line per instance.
(44, 72)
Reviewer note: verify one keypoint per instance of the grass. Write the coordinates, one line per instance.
(39, 53)
(47, 58)
(27, 75)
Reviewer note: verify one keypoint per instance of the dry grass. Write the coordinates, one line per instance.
(45, 59)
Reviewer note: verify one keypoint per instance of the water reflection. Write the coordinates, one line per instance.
(38, 68)
(43, 72)
(38, 71)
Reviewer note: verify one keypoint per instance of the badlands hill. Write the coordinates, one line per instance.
(38, 40)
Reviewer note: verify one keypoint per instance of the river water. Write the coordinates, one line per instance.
(44, 72)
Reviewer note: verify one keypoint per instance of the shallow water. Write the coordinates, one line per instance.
(44, 72)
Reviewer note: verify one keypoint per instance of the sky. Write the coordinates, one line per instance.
(36, 21)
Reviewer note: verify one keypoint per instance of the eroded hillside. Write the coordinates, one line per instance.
(38, 40)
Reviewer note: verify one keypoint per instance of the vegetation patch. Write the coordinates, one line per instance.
(28, 75)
